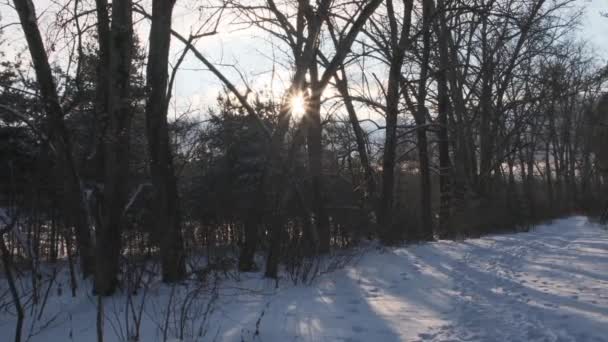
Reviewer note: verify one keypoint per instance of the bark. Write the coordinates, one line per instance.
(99, 319)
(74, 209)
(168, 221)
(249, 246)
(548, 173)
(315, 151)
(253, 222)
(420, 117)
(274, 250)
(53, 252)
(109, 235)
(370, 182)
(445, 205)
(102, 88)
(399, 42)
(7, 261)
(511, 193)
(486, 113)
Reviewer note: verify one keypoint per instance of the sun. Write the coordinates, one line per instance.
(298, 105)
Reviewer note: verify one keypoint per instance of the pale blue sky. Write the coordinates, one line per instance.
(595, 27)
(249, 51)
(197, 88)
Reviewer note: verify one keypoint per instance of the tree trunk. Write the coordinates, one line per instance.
(486, 114)
(315, 156)
(253, 221)
(445, 198)
(548, 173)
(168, 221)
(74, 209)
(274, 250)
(249, 246)
(399, 43)
(388, 158)
(420, 118)
(101, 90)
(370, 182)
(109, 237)
(7, 261)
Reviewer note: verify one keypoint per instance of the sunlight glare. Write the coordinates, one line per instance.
(298, 105)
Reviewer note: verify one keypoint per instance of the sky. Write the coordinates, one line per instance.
(196, 88)
(248, 51)
(595, 27)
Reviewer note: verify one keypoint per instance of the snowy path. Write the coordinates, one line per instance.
(547, 285)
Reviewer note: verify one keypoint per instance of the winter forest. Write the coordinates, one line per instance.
(303, 170)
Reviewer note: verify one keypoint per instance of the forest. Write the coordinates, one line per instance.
(384, 123)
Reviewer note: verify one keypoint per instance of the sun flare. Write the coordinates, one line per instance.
(298, 105)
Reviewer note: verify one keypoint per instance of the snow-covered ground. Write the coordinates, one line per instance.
(550, 284)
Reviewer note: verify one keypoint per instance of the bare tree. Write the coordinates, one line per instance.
(58, 135)
(161, 161)
(116, 140)
(399, 41)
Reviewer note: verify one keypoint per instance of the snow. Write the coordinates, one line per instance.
(550, 284)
